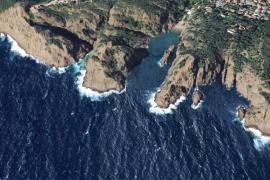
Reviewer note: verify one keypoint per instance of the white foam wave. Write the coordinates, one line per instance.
(17, 50)
(93, 95)
(2, 36)
(154, 108)
(198, 105)
(159, 63)
(259, 140)
(60, 70)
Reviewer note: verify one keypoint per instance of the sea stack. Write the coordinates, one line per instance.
(196, 97)
(167, 54)
(241, 111)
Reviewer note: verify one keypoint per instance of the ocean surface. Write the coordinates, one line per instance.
(50, 129)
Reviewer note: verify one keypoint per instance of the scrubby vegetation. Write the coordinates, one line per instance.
(4, 4)
(137, 24)
(210, 36)
(248, 43)
(60, 15)
(245, 40)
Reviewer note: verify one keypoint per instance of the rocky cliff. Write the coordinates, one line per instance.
(117, 32)
(201, 60)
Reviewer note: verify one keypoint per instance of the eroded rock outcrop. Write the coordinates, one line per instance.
(180, 79)
(197, 96)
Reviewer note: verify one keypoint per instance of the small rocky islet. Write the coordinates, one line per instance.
(218, 44)
(197, 97)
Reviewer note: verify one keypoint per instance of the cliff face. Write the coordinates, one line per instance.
(186, 73)
(59, 33)
(251, 86)
(180, 79)
(12, 22)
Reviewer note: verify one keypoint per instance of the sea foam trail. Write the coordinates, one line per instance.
(163, 111)
(260, 141)
(60, 70)
(15, 48)
(198, 105)
(93, 95)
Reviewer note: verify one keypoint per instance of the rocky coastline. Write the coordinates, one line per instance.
(190, 70)
(117, 34)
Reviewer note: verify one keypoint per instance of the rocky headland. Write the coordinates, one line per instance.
(208, 53)
(59, 33)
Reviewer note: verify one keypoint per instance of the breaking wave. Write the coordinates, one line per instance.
(87, 92)
(162, 111)
(260, 141)
(198, 106)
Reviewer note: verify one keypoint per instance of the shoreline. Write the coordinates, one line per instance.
(19, 51)
(16, 48)
(90, 93)
(259, 139)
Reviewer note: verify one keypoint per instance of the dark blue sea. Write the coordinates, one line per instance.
(49, 131)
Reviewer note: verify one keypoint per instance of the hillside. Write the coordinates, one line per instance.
(220, 45)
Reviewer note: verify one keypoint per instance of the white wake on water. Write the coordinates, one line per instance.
(154, 108)
(259, 139)
(198, 105)
(17, 50)
(93, 95)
